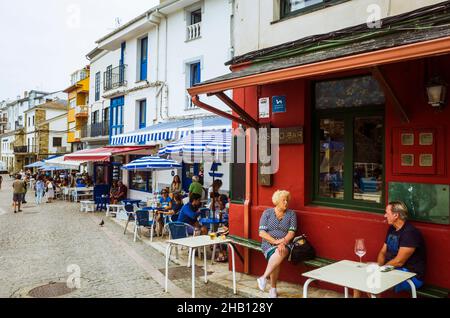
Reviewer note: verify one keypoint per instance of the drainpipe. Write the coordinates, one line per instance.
(155, 18)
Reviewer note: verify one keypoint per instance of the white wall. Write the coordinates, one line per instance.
(212, 50)
(99, 64)
(57, 128)
(255, 29)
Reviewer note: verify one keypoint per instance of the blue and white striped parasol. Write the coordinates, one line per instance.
(201, 142)
(152, 163)
(37, 164)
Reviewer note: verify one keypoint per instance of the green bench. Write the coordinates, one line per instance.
(427, 291)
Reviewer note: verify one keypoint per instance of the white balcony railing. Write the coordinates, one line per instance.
(81, 110)
(194, 31)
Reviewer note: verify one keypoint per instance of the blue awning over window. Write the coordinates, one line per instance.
(172, 130)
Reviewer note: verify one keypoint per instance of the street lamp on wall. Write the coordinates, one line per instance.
(437, 92)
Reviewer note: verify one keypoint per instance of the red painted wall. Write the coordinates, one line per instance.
(333, 231)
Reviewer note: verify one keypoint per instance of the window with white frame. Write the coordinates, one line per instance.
(290, 7)
(194, 24)
(194, 78)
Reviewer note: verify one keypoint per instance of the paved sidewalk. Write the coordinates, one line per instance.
(246, 284)
(40, 245)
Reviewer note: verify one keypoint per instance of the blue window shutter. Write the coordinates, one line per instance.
(144, 59)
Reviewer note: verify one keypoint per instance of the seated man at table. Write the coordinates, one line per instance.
(404, 247)
(189, 213)
(165, 202)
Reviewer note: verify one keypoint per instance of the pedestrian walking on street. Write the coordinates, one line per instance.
(25, 189)
(40, 189)
(50, 190)
(18, 191)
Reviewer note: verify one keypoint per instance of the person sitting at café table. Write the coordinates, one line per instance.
(189, 213)
(196, 187)
(176, 186)
(113, 190)
(177, 205)
(121, 193)
(277, 229)
(165, 202)
(214, 194)
(404, 247)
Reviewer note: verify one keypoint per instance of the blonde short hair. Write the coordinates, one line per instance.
(277, 196)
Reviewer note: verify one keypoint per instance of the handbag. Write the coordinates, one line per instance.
(302, 250)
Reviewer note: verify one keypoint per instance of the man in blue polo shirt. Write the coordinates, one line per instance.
(189, 212)
(404, 247)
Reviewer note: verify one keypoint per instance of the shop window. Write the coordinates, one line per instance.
(140, 180)
(349, 144)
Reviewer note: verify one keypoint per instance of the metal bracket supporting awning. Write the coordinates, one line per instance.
(243, 117)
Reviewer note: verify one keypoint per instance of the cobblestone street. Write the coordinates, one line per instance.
(44, 244)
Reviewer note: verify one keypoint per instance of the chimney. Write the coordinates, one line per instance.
(25, 94)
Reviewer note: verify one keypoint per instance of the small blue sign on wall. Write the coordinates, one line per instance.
(278, 104)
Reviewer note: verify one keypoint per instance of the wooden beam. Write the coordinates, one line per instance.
(237, 109)
(379, 76)
(197, 102)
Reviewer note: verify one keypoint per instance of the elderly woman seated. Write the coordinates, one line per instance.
(277, 229)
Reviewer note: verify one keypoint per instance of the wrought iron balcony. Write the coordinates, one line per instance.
(114, 78)
(25, 149)
(96, 130)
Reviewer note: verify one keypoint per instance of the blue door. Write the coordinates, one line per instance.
(116, 116)
(144, 59)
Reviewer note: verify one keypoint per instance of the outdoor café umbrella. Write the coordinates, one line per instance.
(216, 142)
(37, 164)
(152, 163)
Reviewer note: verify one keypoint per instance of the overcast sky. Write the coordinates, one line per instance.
(44, 41)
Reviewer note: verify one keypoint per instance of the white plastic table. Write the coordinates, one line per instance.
(359, 276)
(114, 209)
(194, 243)
(77, 192)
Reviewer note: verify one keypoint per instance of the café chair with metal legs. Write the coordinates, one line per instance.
(143, 220)
(129, 208)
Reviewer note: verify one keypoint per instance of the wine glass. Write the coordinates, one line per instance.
(360, 249)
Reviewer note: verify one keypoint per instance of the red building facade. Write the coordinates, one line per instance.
(403, 73)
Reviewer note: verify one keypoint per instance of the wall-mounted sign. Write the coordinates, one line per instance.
(426, 139)
(408, 139)
(291, 136)
(407, 160)
(426, 160)
(278, 104)
(264, 107)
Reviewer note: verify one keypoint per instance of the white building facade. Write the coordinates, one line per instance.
(265, 23)
(143, 70)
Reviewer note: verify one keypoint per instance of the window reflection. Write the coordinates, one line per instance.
(367, 159)
(332, 158)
